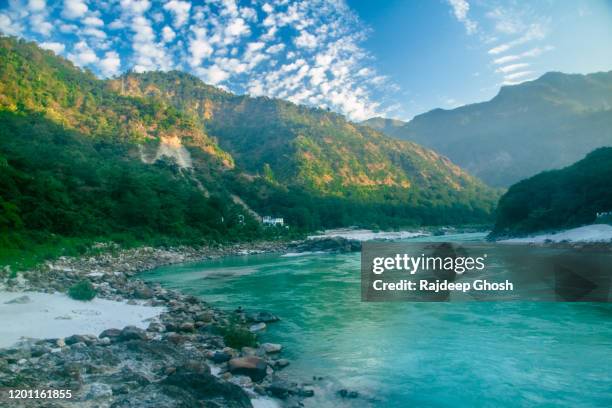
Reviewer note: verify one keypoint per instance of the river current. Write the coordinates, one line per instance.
(490, 354)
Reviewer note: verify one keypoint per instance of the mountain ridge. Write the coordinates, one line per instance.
(503, 139)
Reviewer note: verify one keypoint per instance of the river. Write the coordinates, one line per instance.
(492, 354)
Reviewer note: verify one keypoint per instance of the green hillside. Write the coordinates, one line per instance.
(558, 199)
(558, 117)
(163, 156)
(316, 152)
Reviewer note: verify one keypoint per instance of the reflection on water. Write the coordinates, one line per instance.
(412, 354)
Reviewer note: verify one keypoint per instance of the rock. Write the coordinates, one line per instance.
(271, 347)
(280, 389)
(76, 338)
(261, 317)
(221, 357)
(110, 333)
(187, 327)
(248, 351)
(143, 292)
(281, 363)
(199, 383)
(21, 300)
(132, 333)
(79, 346)
(252, 366)
(306, 392)
(99, 390)
(156, 327)
(242, 380)
(104, 341)
(257, 327)
(348, 394)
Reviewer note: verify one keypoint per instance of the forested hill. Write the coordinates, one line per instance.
(558, 199)
(312, 148)
(162, 154)
(559, 117)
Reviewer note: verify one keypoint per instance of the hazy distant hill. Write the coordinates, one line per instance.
(557, 199)
(538, 125)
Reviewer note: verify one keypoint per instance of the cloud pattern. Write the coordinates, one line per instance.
(306, 51)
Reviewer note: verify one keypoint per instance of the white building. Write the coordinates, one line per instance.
(268, 220)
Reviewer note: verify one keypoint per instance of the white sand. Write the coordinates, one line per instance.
(368, 235)
(57, 315)
(588, 233)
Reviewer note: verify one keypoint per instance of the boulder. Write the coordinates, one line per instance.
(271, 347)
(110, 333)
(257, 327)
(197, 381)
(132, 333)
(221, 357)
(252, 366)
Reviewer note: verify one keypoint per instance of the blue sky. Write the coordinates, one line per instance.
(363, 58)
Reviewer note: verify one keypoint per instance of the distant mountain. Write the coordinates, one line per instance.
(163, 154)
(538, 125)
(558, 199)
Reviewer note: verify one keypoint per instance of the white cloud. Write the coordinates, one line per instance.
(136, 7)
(306, 40)
(93, 21)
(8, 26)
(180, 10)
(460, 10)
(110, 64)
(535, 32)
(94, 32)
(510, 68)
(36, 5)
(82, 54)
(40, 25)
(267, 8)
(213, 75)
(240, 47)
(56, 47)
(199, 47)
(74, 8)
(273, 49)
(517, 75)
(237, 28)
(506, 59)
(168, 34)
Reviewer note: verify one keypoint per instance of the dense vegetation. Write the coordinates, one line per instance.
(310, 160)
(56, 183)
(164, 158)
(558, 199)
(538, 125)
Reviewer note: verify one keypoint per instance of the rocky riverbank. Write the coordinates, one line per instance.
(182, 359)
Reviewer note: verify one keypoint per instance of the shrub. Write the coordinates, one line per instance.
(83, 290)
(237, 337)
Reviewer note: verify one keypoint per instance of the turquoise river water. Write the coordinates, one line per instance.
(492, 354)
